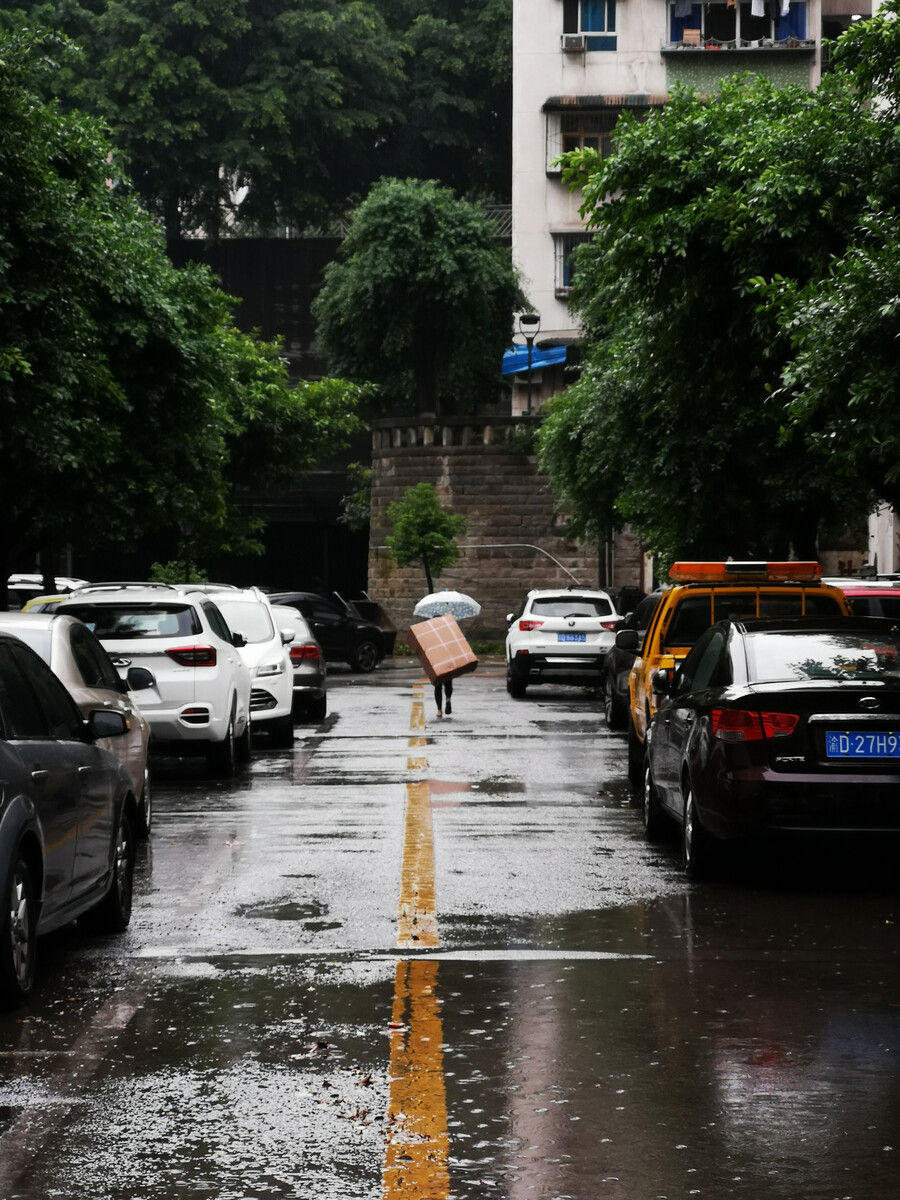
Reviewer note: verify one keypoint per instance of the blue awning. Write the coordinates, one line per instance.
(515, 360)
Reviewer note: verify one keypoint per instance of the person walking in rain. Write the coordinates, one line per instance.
(447, 686)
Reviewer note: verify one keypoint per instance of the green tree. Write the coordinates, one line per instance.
(843, 377)
(230, 113)
(423, 531)
(128, 399)
(673, 426)
(420, 299)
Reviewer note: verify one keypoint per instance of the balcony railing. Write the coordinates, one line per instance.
(765, 43)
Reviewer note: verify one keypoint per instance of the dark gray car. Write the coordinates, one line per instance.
(618, 663)
(67, 816)
(342, 633)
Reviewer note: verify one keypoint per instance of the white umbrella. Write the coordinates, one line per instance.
(458, 604)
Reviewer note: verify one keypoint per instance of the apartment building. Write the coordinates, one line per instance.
(577, 65)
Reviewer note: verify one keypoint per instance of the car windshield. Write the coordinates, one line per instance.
(251, 619)
(777, 657)
(571, 606)
(137, 620)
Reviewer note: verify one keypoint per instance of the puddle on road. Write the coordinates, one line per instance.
(288, 911)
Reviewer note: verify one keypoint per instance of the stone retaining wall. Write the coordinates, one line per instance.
(484, 470)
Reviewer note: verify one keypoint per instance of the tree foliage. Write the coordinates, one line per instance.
(420, 298)
(128, 399)
(423, 531)
(674, 425)
(281, 113)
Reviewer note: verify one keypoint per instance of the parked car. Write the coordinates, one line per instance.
(76, 657)
(774, 725)
(249, 614)
(44, 603)
(307, 663)
(22, 587)
(182, 662)
(618, 662)
(68, 815)
(706, 592)
(559, 635)
(870, 598)
(338, 628)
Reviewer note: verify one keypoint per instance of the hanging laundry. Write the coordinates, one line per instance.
(758, 8)
(683, 8)
(785, 7)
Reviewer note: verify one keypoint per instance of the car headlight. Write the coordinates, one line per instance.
(270, 668)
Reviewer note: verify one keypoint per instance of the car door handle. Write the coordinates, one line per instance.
(40, 776)
(688, 718)
(85, 770)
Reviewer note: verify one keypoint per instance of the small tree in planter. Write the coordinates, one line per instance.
(423, 531)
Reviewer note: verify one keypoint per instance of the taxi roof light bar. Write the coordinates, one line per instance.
(712, 572)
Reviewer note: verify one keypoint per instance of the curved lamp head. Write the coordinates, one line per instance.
(529, 325)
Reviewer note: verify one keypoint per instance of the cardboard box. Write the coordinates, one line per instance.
(442, 649)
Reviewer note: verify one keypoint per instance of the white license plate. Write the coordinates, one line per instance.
(571, 637)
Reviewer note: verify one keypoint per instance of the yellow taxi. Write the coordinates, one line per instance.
(703, 593)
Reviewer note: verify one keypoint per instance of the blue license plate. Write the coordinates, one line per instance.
(571, 637)
(839, 744)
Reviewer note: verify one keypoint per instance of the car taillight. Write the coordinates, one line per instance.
(739, 725)
(779, 724)
(608, 624)
(309, 651)
(193, 656)
(736, 725)
(527, 626)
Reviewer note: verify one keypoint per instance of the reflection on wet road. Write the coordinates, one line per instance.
(437, 959)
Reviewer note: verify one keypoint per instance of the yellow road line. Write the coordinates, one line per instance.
(415, 1161)
(416, 912)
(418, 1146)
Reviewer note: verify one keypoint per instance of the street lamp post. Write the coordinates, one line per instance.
(529, 327)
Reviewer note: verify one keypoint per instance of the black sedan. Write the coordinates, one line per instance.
(620, 659)
(67, 816)
(776, 725)
(342, 633)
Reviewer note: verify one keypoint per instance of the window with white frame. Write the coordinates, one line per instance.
(564, 259)
(595, 19)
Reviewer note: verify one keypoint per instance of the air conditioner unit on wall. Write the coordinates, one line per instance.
(573, 43)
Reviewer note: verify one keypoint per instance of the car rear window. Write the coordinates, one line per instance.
(109, 621)
(250, 619)
(875, 606)
(571, 606)
(694, 614)
(777, 657)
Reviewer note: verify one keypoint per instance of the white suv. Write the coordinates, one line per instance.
(182, 662)
(249, 613)
(559, 635)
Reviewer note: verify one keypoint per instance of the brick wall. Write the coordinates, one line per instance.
(484, 471)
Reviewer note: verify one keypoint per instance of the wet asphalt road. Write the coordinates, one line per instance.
(436, 959)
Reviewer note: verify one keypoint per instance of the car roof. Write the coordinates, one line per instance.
(35, 620)
(574, 589)
(101, 593)
(813, 624)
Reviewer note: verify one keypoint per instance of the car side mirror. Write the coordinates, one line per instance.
(627, 639)
(287, 636)
(106, 723)
(510, 617)
(238, 640)
(139, 678)
(661, 682)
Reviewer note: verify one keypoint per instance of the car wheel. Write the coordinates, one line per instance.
(113, 912)
(615, 712)
(653, 815)
(17, 949)
(145, 806)
(318, 710)
(698, 850)
(221, 757)
(515, 687)
(281, 733)
(366, 657)
(243, 745)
